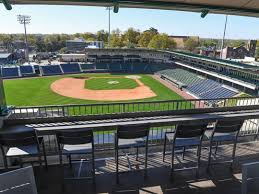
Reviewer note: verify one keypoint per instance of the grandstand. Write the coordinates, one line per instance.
(198, 86)
(115, 67)
(87, 67)
(51, 70)
(181, 76)
(70, 68)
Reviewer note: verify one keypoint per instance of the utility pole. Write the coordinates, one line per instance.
(223, 39)
(109, 25)
(25, 19)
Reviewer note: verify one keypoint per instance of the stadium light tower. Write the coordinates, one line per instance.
(25, 19)
(223, 38)
(109, 25)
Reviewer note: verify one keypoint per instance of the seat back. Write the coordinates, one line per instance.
(189, 131)
(228, 126)
(75, 136)
(131, 132)
(15, 139)
(19, 181)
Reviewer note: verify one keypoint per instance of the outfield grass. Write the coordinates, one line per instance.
(36, 91)
(96, 83)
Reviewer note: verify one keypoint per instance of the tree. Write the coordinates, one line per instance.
(102, 35)
(145, 38)
(191, 43)
(162, 41)
(63, 50)
(152, 31)
(116, 39)
(237, 43)
(131, 36)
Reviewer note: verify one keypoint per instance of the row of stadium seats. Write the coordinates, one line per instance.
(56, 69)
(117, 67)
(182, 76)
(200, 87)
(17, 71)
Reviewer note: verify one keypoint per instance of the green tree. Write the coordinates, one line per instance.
(152, 30)
(131, 36)
(162, 41)
(191, 43)
(145, 38)
(63, 50)
(116, 39)
(102, 35)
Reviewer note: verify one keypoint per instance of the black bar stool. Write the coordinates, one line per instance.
(127, 137)
(224, 131)
(76, 142)
(22, 144)
(185, 136)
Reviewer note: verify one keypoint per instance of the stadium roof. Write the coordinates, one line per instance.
(231, 7)
(220, 61)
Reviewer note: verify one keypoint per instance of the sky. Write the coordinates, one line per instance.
(47, 19)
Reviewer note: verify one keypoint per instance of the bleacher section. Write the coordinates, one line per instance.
(126, 67)
(116, 67)
(70, 68)
(219, 92)
(140, 68)
(87, 67)
(200, 87)
(101, 66)
(27, 70)
(51, 70)
(10, 72)
(181, 76)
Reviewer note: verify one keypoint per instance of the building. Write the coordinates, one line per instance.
(240, 52)
(94, 44)
(180, 40)
(76, 45)
(210, 52)
(79, 44)
(6, 58)
(110, 55)
(18, 44)
(73, 57)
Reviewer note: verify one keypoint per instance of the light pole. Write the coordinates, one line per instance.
(25, 19)
(223, 39)
(109, 25)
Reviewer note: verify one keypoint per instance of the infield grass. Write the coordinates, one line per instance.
(99, 83)
(37, 92)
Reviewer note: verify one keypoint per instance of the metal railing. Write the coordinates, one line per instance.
(73, 110)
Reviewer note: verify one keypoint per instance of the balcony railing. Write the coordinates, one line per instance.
(30, 112)
(104, 139)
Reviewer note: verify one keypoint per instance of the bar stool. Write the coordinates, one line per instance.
(190, 135)
(224, 131)
(22, 144)
(127, 137)
(76, 142)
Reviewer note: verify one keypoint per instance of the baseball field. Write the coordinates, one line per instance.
(85, 89)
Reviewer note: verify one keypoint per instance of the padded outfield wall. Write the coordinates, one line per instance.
(2, 97)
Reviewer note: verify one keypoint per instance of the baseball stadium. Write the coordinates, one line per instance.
(131, 120)
(125, 76)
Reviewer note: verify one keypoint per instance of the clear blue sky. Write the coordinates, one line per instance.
(72, 19)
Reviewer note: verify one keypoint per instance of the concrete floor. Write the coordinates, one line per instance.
(220, 179)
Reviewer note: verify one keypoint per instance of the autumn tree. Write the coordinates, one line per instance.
(162, 41)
